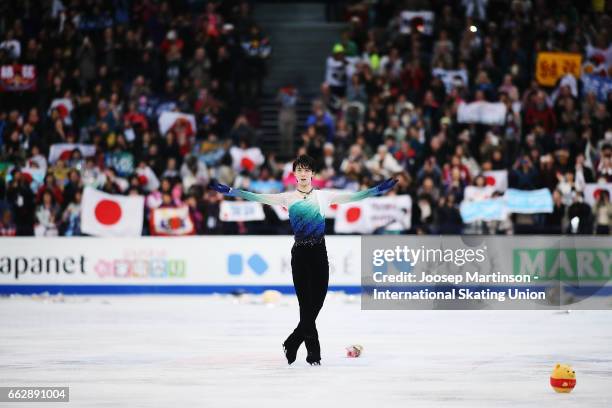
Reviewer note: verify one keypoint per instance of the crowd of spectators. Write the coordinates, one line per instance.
(103, 73)
(385, 109)
(380, 112)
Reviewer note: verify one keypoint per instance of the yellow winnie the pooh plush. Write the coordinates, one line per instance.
(563, 378)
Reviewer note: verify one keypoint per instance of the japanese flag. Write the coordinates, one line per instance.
(592, 191)
(353, 218)
(170, 120)
(63, 151)
(64, 108)
(246, 159)
(109, 215)
(147, 178)
(364, 217)
(497, 179)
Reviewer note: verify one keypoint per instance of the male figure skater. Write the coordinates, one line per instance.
(309, 264)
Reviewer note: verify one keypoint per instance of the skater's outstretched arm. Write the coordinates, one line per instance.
(271, 199)
(382, 188)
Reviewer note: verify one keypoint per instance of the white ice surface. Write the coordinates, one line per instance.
(216, 351)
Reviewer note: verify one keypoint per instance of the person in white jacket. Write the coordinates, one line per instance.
(383, 165)
(193, 171)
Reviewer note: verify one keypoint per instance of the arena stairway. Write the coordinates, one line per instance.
(301, 41)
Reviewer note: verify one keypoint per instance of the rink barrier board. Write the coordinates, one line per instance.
(200, 264)
(209, 264)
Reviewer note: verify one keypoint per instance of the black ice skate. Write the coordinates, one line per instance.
(314, 350)
(291, 346)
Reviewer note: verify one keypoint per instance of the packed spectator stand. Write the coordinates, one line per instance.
(493, 115)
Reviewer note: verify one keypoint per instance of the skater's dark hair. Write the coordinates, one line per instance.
(304, 161)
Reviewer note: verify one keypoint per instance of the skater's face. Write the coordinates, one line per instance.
(303, 175)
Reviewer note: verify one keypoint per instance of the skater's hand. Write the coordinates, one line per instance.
(386, 185)
(221, 188)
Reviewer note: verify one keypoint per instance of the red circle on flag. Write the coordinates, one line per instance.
(175, 223)
(247, 163)
(65, 155)
(334, 206)
(108, 212)
(597, 193)
(490, 180)
(353, 214)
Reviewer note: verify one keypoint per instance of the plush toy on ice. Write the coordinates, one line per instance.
(354, 351)
(563, 378)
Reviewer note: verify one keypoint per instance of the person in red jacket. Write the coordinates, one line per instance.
(540, 113)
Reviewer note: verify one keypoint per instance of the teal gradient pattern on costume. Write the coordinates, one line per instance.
(271, 199)
(247, 195)
(343, 198)
(360, 195)
(306, 220)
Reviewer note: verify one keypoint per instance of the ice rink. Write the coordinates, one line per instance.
(221, 351)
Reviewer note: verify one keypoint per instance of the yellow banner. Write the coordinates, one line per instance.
(551, 66)
(599, 6)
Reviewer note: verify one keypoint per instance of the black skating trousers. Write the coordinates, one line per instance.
(310, 270)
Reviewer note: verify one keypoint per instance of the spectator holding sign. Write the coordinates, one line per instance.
(7, 226)
(336, 71)
(603, 213)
